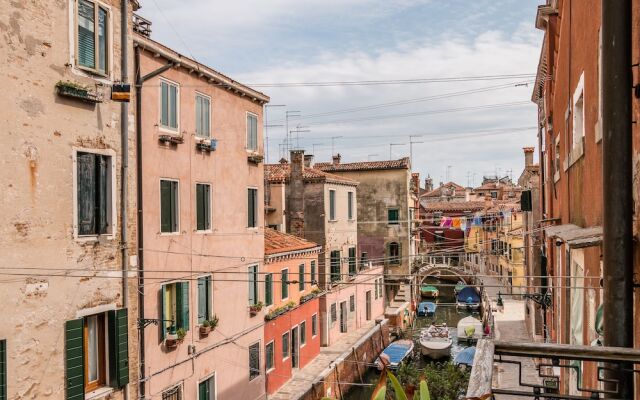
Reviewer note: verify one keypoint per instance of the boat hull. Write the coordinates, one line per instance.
(435, 353)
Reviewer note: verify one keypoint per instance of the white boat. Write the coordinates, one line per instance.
(469, 330)
(435, 342)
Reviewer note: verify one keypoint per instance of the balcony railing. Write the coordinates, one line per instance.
(540, 367)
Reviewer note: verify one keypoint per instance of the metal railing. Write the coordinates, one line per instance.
(558, 371)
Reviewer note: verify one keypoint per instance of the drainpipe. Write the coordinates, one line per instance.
(140, 214)
(124, 162)
(617, 188)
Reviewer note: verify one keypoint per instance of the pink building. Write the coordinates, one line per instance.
(202, 243)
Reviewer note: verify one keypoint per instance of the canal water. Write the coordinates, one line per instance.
(445, 313)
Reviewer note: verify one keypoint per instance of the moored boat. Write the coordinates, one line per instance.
(393, 355)
(435, 342)
(426, 308)
(459, 286)
(465, 357)
(429, 291)
(469, 329)
(468, 298)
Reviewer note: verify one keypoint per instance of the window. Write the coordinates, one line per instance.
(494, 194)
(285, 345)
(268, 289)
(253, 285)
(313, 272)
(376, 283)
(203, 116)
(394, 253)
(207, 389)
(3, 369)
(350, 205)
(205, 296)
(352, 303)
(352, 261)
(169, 105)
(380, 287)
(175, 306)
(92, 37)
(175, 393)
(335, 266)
(578, 115)
(254, 361)
(314, 325)
(252, 132)
(437, 216)
(284, 283)
(94, 194)
(301, 277)
(332, 205)
(169, 206)
(393, 215)
(268, 352)
(303, 333)
(90, 352)
(252, 208)
(367, 306)
(203, 206)
(334, 313)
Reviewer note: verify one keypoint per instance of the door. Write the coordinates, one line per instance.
(295, 348)
(343, 316)
(368, 305)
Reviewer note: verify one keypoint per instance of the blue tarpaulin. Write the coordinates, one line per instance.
(465, 356)
(468, 295)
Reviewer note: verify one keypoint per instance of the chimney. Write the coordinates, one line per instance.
(467, 194)
(428, 184)
(415, 182)
(336, 159)
(295, 199)
(528, 156)
(283, 161)
(308, 160)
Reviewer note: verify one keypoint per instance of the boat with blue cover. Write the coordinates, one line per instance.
(468, 298)
(465, 357)
(459, 286)
(429, 291)
(426, 308)
(393, 355)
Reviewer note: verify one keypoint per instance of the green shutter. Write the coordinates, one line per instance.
(118, 348)
(164, 104)
(86, 34)
(203, 390)
(86, 177)
(301, 277)
(74, 359)
(182, 305)
(163, 324)
(3, 370)
(268, 289)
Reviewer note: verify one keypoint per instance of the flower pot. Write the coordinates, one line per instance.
(171, 343)
(205, 330)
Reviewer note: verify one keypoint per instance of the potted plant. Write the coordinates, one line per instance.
(213, 322)
(255, 308)
(205, 328)
(181, 334)
(72, 89)
(171, 338)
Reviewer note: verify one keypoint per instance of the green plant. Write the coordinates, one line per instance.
(256, 307)
(72, 85)
(446, 380)
(206, 324)
(213, 322)
(181, 333)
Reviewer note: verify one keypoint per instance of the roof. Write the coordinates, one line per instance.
(454, 206)
(576, 236)
(279, 173)
(276, 242)
(437, 192)
(402, 163)
(214, 77)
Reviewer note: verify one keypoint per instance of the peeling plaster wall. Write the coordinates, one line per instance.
(47, 276)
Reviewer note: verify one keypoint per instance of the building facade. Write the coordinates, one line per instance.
(203, 238)
(68, 237)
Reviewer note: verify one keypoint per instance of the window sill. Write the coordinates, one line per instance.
(94, 238)
(270, 370)
(169, 131)
(99, 393)
(205, 232)
(170, 233)
(89, 73)
(332, 220)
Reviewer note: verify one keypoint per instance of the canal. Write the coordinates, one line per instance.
(445, 313)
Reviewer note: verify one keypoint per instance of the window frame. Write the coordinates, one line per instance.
(314, 325)
(312, 272)
(288, 345)
(108, 40)
(256, 219)
(178, 389)
(186, 325)
(249, 149)
(102, 360)
(353, 261)
(302, 333)
(332, 205)
(209, 296)
(210, 119)
(395, 221)
(268, 369)
(253, 370)
(333, 313)
(253, 279)
(352, 303)
(167, 128)
(112, 206)
(209, 220)
(302, 270)
(177, 231)
(332, 274)
(397, 259)
(284, 287)
(215, 385)
(350, 213)
(268, 289)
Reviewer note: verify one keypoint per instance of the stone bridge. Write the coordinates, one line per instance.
(436, 270)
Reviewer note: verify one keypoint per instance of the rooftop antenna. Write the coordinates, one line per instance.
(288, 114)
(267, 126)
(333, 140)
(411, 143)
(299, 130)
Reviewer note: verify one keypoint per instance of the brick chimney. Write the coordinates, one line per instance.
(295, 198)
(336, 159)
(308, 160)
(415, 182)
(528, 156)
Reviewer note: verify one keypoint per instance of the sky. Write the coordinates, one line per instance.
(462, 129)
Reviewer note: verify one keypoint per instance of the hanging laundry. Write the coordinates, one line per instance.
(463, 224)
(455, 223)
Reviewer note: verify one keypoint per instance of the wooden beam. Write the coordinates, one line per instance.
(482, 370)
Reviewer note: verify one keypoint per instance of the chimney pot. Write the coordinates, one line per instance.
(336, 159)
(528, 156)
(308, 160)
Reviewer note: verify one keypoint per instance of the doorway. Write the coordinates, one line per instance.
(343, 317)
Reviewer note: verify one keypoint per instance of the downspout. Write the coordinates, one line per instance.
(124, 162)
(140, 214)
(618, 185)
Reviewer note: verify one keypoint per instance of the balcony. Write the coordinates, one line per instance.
(553, 371)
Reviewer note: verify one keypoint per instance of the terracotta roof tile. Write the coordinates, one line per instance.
(279, 242)
(437, 192)
(454, 206)
(402, 163)
(280, 173)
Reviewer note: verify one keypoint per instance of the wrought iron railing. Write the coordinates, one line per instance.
(557, 371)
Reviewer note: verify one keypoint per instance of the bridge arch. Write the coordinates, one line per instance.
(433, 271)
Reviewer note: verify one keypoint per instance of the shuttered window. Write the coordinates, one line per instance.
(203, 116)
(252, 208)
(253, 284)
(352, 303)
(252, 132)
(175, 306)
(93, 175)
(314, 325)
(313, 272)
(254, 361)
(335, 266)
(334, 313)
(74, 357)
(285, 345)
(207, 389)
(350, 205)
(169, 207)
(332, 205)
(352, 261)
(303, 332)
(301, 277)
(175, 393)
(394, 253)
(203, 206)
(269, 350)
(393, 216)
(168, 105)
(268, 289)
(284, 283)
(204, 299)
(92, 36)
(118, 348)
